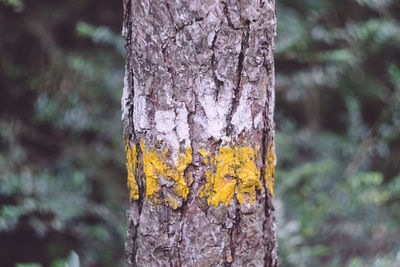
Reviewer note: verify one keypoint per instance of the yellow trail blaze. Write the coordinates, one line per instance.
(131, 167)
(270, 169)
(232, 171)
(235, 173)
(155, 166)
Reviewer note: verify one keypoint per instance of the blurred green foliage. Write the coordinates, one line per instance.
(338, 132)
(62, 177)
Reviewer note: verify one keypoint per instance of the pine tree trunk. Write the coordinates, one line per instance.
(197, 108)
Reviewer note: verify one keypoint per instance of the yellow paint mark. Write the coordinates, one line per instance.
(234, 172)
(131, 166)
(155, 167)
(205, 154)
(270, 169)
(190, 179)
(231, 172)
(172, 202)
(152, 166)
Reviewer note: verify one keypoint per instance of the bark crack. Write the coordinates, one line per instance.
(235, 228)
(169, 69)
(270, 257)
(218, 83)
(170, 14)
(227, 15)
(139, 204)
(190, 169)
(262, 174)
(238, 89)
(131, 133)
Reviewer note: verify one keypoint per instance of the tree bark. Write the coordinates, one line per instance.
(197, 110)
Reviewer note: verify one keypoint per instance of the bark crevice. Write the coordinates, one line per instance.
(227, 15)
(235, 228)
(238, 88)
(214, 64)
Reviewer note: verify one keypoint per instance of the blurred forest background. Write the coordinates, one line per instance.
(62, 166)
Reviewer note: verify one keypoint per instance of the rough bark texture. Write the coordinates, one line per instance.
(197, 109)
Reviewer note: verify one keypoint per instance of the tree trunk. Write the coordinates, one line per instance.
(197, 108)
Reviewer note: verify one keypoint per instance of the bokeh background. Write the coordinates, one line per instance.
(62, 175)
